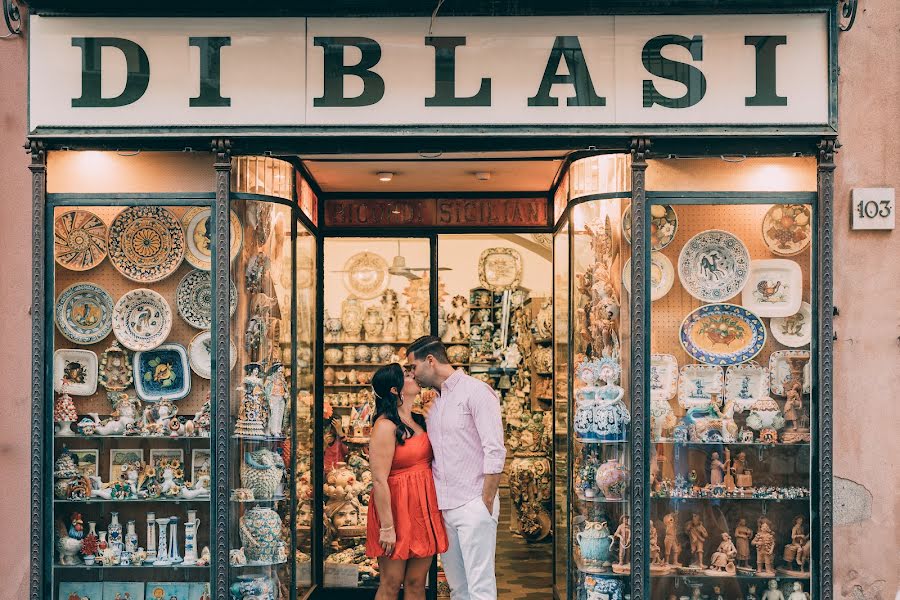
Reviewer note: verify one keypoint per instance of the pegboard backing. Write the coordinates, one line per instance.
(744, 221)
(106, 276)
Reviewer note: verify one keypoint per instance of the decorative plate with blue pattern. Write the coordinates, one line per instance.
(84, 313)
(722, 334)
(146, 243)
(714, 266)
(162, 373)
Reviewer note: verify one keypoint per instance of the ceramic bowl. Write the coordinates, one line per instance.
(333, 355)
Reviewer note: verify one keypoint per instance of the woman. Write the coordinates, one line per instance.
(405, 529)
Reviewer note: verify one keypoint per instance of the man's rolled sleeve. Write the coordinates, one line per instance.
(485, 407)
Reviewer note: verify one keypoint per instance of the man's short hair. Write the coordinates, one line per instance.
(429, 344)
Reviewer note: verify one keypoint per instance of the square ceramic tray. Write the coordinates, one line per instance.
(780, 370)
(79, 368)
(745, 384)
(775, 288)
(663, 376)
(697, 383)
(162, 373)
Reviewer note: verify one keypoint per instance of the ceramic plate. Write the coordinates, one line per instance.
(84, 313)
(366, 275)
(663, 376)
(79, 240)
(199, 353)
(697, 383)
(162, 373)
(780, 370)
(663, 225)
(722, 334)
(787, 228)
(193, 298)
(79, 370)
(197, 226)
(714, 266)
(775, 288)
(146, 243)
(500, 269)
(662, 275)
(142, 319)
(745, 384)
(794, 331)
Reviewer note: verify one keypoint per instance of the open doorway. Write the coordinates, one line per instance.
(491, 303)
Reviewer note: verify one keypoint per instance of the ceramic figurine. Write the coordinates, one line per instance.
(716, 470)
(260, 531)
(765, 551)
(457, 320)
(798, 550)
(90, 544)
(765, 417)
(672, 547)
(657, 564)
(64, 414)
(751, 592)
(276, 390)
(722, 560)
(262, 472)
(404, 324)
(712, 423)
(157, 417)
(116, 372)
(511, 357)
(594, 542)
(69, 545)
(253, 412)
(742, 536)
(697, 535)
(794, 410)
(742, 476)
(622, 537)
(202, 419)
(798, 593)
(772, 593)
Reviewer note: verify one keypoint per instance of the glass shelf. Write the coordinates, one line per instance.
(203, 499)
(168, 438)
(123, 567)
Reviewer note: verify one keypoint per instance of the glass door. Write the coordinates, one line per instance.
(376, 301)
(731, 393)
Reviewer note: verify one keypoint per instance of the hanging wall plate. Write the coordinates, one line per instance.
(142, 319)
(193, 298)
(197, 224)
(200, 354)
(78, 369)
(663, 225)
(662, 275)
(500, 269)
(663, 377)
(714, 266)
(745, 384)
(79, 240)
(787, 228)
(794, 331)
(366, 275)
(146, 243)
(162, 373)
(775, 288)
(84, 313)
(722, 334)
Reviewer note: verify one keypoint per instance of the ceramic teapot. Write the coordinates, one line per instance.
(594, 542)
(260, 529)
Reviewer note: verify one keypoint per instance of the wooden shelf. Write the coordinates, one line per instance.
(364, 364)
(349, 385)
(369, 343)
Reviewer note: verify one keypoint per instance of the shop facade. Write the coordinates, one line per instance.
(692, 273)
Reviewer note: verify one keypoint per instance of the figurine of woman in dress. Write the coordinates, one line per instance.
(716, 470)
(742, 535)
(722, 560)
(276, 390)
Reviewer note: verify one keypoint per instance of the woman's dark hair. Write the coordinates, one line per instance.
(387, 402)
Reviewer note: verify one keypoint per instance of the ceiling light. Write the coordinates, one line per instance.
(482, 175)
(385, 176)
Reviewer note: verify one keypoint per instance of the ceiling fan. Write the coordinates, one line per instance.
(398, 267)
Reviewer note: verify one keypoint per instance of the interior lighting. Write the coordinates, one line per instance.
(385, 176)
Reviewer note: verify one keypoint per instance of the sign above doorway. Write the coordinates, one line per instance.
(437, 212)
(622, 71)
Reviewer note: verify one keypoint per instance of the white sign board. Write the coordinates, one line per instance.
(873, 208)
(593, 70)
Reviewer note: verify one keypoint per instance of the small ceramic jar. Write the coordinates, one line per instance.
(362, 353)
(329, 375)
(349, 353)
(341, 376)
(351, 376)
(333, 355)
(384, 353)
(373, 355)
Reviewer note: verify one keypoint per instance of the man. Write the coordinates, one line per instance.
(466, 434)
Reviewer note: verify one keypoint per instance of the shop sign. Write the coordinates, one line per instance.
(873, 208)
(695, 70)
(437, 212)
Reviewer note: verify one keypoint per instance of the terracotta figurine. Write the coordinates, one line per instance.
(716, 470)
(623, 537)
(796, 550)
(742, 535)
(697, 534)
(722, 560)
(765, 551)
(672, 547)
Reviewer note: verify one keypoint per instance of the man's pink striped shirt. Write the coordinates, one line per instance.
(466, 434)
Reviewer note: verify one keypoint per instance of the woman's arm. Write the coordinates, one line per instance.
(381, 455)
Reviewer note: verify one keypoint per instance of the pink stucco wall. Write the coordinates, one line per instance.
(867, 444)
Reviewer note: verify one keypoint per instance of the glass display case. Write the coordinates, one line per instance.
(133, 372)
(728, 380)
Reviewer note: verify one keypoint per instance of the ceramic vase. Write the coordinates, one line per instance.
(332, 327)
(151, 537)
(260, 529)
(352, 318)
(115, 532)
(594, 542)
(329, 375)
(363, 354)
(348, 354)
(174, 555)
(131, 538)
(403, 325)
(373, 323)
(612, 479)
(333, 355)
(162, 547)
(191, 526)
